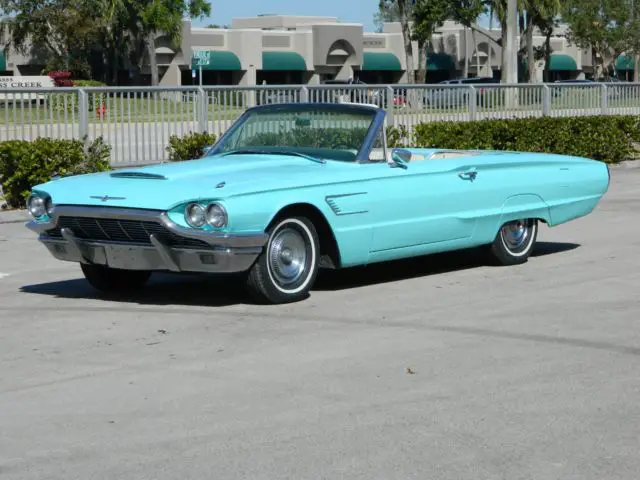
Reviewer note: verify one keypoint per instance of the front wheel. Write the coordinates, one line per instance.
(287, 268)
(514, 242)
(109, 279)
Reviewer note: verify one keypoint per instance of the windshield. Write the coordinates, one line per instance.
(321, 131)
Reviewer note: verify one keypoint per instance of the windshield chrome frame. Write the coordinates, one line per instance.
(362, 156)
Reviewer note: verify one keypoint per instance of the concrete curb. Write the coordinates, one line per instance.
(13, 216)
(626, 164)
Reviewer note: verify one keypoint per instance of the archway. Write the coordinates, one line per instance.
(338, 60)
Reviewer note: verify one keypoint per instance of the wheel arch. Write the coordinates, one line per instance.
(526, 205)
(329, 250)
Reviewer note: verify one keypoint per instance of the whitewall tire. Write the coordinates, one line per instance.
(288, 266)
(515, 241)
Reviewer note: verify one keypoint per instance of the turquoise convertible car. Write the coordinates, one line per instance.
(291, 188)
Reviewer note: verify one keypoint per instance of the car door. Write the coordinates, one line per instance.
(429, 202)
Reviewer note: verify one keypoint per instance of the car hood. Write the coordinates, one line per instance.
(164, 186)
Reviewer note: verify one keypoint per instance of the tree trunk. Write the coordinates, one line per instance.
(475, 49)
(531, 67)
(153, 63)
(465, 67)
(503, 56)
(406, 36)
(547, 57)
(421, 76)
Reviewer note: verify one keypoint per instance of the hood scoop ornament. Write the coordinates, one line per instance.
(142, 175)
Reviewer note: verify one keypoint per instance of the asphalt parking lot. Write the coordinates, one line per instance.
(439, 368)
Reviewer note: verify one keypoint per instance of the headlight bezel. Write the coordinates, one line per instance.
(214, 214)
(44, 207)
(188, 214)
(223, 217)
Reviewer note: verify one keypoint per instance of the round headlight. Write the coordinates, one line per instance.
(195, 215)
(37, 206)
(216, 215)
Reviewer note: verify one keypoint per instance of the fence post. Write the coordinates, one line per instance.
(546, 100)
(473, 103)
(604, 98)
(389, 105)
(83, 113)
(202, 108)
(304, 94)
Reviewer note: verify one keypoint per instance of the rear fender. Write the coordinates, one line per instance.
(526, 205)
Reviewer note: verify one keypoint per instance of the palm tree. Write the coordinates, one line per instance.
(540, 14)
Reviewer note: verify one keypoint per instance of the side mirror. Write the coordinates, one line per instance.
(400, 158)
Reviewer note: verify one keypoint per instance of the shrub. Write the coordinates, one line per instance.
(397, 136)
(190, 146)
(24, 164)
(609, 139)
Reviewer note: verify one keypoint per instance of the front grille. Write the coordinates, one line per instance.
(127, 231)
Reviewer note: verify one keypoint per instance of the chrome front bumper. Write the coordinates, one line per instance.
(168, 247)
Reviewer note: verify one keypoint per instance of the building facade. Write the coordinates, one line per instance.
(282, 49)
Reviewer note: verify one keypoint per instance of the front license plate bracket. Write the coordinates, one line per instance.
(122, 256)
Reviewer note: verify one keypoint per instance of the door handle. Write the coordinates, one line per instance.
(468, 175)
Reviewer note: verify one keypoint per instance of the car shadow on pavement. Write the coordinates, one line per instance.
(212, 290)
(161, 289)
(423, 266)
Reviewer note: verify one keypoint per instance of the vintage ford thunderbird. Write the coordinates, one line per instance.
(291, 188)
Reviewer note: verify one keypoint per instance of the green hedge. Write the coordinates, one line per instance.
(24, 164)
(609, 139)
(190, 146)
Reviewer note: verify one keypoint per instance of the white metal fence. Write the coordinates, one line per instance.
(138, 122)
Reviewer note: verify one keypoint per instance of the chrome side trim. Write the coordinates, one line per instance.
(212, 238)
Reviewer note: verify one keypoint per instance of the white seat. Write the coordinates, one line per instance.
(377, 155)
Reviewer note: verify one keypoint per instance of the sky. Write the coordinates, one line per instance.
(357, 11)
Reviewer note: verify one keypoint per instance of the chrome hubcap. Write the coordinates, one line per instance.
(516, 234)
(287, 256)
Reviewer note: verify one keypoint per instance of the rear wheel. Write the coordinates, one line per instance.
(287, 268)
(514, 242)
(109, 279)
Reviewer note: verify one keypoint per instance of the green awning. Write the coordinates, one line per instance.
(380, 61)
(561, 61)
(215, 60)
(3, 62)
(439, 61)
(283, 61)
(625, 63)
